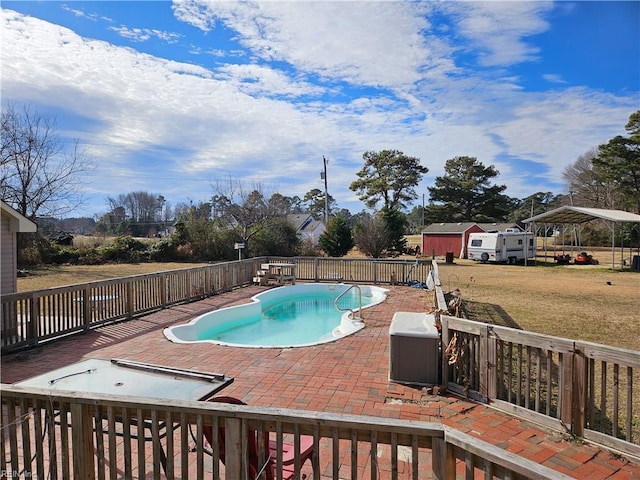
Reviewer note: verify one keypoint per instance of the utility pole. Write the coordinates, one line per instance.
(323, 175)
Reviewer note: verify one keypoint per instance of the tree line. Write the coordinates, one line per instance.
(39, 177)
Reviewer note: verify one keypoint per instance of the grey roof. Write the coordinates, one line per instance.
(448, 227)
(569, 214)
(498, 227)
(299, 219)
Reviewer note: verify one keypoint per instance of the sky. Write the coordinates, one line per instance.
(177, 98)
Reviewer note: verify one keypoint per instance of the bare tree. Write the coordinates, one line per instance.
(370, 236)
(587, 186)
(38, 175)
(247, 209)
(140, 206)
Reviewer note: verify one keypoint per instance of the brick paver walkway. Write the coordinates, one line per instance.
(347, 376)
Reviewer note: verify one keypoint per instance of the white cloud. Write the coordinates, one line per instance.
(256, 80)
(497, 30)
(275, 122)
(553, 78)
(145, 34)
(81, 13)
(371, 43)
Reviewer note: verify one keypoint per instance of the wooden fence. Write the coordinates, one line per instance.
(32, 317)
(48, 434)
(585, 389)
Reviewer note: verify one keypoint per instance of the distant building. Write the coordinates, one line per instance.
(307, 228)
(12, 223)
(499, 227)
(438, 239)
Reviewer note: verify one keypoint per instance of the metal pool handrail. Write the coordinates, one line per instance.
(353, 313)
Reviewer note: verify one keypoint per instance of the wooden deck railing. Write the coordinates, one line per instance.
(374, 270)
(585, 389)
(48, 434)
(32, 317)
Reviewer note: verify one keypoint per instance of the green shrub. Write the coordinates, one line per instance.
(163, 250)
(124, 249)
(34, 249)
(64, 254)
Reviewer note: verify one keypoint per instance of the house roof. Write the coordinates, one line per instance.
(298, 219)
(304, 222)
(23, 223)
(444, 228)
(570, 214)
(498, 227)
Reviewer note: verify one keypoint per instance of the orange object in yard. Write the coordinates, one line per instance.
(583, 258)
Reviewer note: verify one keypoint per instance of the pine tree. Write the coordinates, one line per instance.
(337, 240)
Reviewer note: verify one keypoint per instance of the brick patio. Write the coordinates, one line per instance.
(347, 376)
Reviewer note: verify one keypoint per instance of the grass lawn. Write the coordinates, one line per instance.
(50, 276)
(577, 302)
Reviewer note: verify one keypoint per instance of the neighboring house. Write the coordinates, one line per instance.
(12, 223)
(440, 238)
(307, 228)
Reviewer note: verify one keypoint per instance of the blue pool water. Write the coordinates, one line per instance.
(303, 319)
(297, 315)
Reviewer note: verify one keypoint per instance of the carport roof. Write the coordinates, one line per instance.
(569, 214)
(444, 228)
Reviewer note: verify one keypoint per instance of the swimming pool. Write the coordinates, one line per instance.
(291, 316)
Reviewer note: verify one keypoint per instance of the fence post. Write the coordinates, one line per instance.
(163, 290)
(233, 448)
(488, 362)
(443, 460)
(579, 391)
(375, 271)
(566, 388)
(86, 308)
(207, 283)
(129, 289)
(316, 267)
(492, 364)
(82, 442)
(484, 363)
(34, 319)
(444, 324)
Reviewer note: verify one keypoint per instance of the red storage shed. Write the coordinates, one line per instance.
(440, 238)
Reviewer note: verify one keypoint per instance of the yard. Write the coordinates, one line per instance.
(579, 302)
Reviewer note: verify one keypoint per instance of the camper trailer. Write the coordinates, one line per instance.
(509, 246)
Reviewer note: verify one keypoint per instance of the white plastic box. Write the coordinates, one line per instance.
(414, 349)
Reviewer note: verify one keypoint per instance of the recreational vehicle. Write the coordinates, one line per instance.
(509, 246)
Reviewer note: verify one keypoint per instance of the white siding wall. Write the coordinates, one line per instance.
(8, 265)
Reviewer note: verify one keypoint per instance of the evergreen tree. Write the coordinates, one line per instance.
(467, 193)
(619, 161)
(337, 240)
(388, 176)
(395, 223)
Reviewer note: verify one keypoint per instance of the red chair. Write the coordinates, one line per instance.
(255, 467)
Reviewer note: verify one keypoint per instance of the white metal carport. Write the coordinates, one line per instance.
(577, 215)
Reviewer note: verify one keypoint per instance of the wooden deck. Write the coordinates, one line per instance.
(347, 377)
